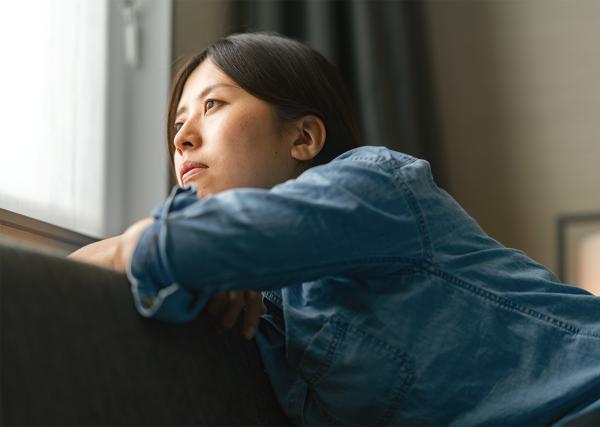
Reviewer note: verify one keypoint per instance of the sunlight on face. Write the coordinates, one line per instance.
(226, 138)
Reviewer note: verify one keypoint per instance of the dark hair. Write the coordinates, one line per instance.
(294, 78)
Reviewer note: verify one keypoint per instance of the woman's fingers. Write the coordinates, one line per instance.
(254, 309)
(235, 303)
(229, 305)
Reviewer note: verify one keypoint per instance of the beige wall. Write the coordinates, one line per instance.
(518, 98)
(197, 23)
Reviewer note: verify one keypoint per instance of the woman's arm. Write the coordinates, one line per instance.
(114, 252)
(101, 253)
(350, 215)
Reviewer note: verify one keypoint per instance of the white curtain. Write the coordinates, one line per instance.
(52, 111)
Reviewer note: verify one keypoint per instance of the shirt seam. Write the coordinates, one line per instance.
(510, 305)
(415, 207)
(272, 296)
(402, 186)
(378, 158)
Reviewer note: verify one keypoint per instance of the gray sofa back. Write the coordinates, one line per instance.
(75, 352)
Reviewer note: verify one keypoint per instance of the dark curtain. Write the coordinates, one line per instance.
(379, 47)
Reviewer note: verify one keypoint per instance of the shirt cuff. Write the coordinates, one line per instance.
(155, 290)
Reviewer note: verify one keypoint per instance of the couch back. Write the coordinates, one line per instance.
(75, 352)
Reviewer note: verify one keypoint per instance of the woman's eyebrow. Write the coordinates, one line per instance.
(202, 94)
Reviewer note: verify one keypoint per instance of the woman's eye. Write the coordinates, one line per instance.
(177, 126)
(209, 104)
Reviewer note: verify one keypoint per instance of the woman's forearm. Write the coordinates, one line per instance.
(127, 242)
(100, 253)
(114, 252)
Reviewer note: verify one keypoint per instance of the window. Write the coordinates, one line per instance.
(79, 121)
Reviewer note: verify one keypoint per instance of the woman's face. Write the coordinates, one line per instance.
(227, 138)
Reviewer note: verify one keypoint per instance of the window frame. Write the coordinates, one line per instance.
(135, 143)
(21, 228)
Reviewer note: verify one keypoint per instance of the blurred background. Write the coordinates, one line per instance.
(502, 97)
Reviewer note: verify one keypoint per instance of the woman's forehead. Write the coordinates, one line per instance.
(204, 79)
(206, 74)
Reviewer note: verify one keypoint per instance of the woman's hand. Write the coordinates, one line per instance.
(114, 252)
(228, 306)
(102, 252)
(128, 241)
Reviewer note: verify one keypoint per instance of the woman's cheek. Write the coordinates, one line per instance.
(228, 130)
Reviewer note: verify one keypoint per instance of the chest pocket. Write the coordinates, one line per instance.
(353, 377)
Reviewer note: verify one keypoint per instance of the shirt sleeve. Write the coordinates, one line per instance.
(345, 217)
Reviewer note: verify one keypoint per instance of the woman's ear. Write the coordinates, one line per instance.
(309, 137)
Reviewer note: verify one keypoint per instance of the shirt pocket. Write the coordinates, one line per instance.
(353, 377)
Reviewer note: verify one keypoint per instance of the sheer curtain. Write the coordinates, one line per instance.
(53, 110)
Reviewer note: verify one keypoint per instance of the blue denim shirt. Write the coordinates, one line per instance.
(388, 303)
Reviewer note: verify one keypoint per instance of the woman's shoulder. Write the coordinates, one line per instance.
(394, 164)
(369, 172)
(376, 155)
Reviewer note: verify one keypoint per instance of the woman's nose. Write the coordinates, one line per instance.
(186, 138)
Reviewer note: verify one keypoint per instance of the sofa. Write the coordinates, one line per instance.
(75, 352)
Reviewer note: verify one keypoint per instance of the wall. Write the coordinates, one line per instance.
(518, 98)
(136, 180)
(196, 24)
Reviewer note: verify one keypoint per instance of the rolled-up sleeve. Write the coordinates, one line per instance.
(155, 290)
(336, 219)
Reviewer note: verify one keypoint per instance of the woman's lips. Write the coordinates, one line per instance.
(190, 168)
(192, 173)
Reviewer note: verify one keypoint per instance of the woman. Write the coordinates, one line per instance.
(385, 303)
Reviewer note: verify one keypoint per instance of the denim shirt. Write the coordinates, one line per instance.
(388, 303)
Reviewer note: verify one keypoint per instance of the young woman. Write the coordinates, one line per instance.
(381, 301)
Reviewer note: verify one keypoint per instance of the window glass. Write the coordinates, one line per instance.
(52, 111)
